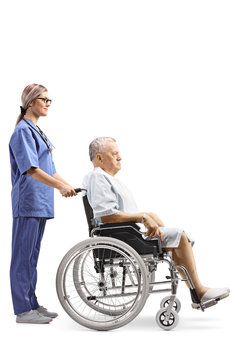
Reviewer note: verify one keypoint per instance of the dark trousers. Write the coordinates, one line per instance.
(27, 234)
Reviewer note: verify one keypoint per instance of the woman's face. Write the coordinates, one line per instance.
(39, 107)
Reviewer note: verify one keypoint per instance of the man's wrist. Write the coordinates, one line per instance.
(143, 218)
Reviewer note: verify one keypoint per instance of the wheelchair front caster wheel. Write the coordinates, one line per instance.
(166, 301)
(167, 323)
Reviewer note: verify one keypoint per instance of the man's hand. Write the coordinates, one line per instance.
(67, 191)
(155, 218)
(153, 230)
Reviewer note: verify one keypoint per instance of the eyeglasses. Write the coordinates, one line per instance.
(46, 100)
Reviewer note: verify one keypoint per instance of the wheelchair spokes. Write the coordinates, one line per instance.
(104, 284)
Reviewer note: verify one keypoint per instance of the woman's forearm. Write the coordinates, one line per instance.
(64, 188)
(44, 178)
(59, 178)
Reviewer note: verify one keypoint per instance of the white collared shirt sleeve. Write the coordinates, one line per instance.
(100, 195)
(107, 195)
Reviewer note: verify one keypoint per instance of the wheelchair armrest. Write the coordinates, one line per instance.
(122, 224)
(128, 232)
(127, 226)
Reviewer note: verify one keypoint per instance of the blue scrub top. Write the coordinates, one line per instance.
(30, 198)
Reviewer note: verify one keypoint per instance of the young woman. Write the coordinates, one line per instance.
(33, 176)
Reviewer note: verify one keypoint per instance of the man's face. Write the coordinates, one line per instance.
(110, 158)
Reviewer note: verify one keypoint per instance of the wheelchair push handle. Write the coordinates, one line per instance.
(77, 190)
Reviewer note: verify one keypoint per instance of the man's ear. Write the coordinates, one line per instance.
(99, 157)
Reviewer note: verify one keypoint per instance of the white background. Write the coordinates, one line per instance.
(162, 77)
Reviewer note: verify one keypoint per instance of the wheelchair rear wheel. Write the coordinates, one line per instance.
(84, 286)
(102, 283)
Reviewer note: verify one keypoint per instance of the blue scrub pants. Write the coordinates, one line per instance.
(27, 234)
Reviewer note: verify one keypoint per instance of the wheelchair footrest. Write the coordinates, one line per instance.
(195, 297)
(205, 305)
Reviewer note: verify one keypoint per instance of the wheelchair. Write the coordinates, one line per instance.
(104, 281)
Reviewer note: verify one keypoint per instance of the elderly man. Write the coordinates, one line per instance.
(112, 202)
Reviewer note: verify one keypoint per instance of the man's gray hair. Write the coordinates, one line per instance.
(98, 145)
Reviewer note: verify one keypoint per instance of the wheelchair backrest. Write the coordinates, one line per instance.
(89, 214)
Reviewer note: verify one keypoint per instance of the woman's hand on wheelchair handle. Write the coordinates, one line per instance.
(67, 190)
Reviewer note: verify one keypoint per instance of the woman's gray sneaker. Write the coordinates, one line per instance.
(42, 310)
(32, 317)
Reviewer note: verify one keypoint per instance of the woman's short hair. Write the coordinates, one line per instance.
(98, 145)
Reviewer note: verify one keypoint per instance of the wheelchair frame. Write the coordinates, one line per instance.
(104, 281)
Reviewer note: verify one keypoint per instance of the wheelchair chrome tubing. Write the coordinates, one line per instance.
(103, 282)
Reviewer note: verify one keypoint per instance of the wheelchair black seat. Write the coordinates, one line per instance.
(128, 232)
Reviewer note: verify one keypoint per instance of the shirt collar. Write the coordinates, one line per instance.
(100, 170)
(30, 121)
